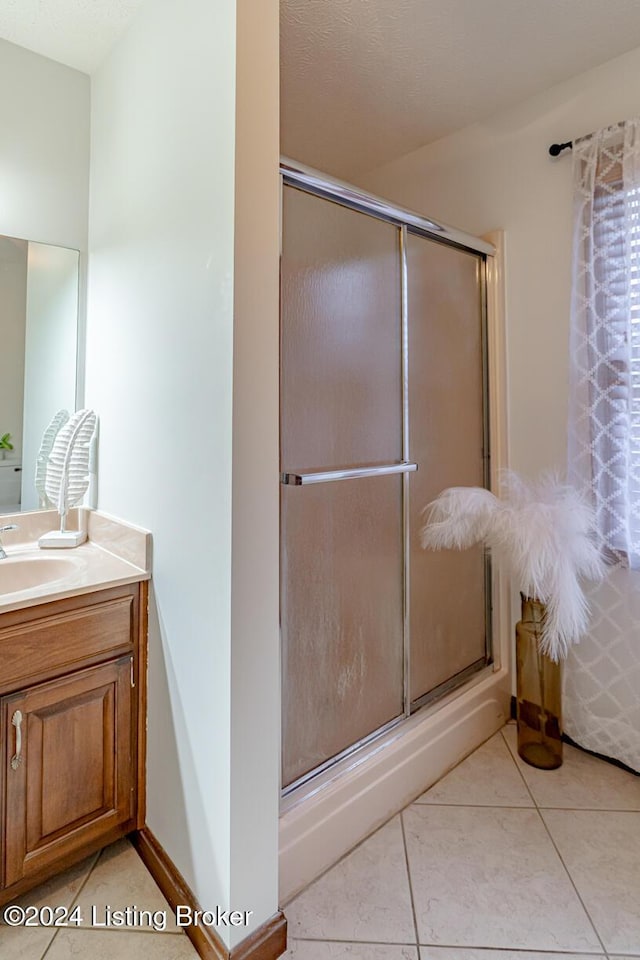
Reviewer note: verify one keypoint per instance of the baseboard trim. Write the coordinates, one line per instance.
(268, 942)
(176, 890)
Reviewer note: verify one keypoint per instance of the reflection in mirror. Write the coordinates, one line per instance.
(38, 356)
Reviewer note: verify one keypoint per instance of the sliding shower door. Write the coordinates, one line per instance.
(342, 541)
(381, 366)
(447, 437)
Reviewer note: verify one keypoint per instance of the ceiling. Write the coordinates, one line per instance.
(76, 32)
(365, 81)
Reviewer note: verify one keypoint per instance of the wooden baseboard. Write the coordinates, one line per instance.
(268, 942)
(175, 889)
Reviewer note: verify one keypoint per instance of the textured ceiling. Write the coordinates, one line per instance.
(365, 81)
(76, 32)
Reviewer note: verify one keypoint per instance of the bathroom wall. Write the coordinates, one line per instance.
(255, 610)
(44, 149)
(497, 174)
(160, 372)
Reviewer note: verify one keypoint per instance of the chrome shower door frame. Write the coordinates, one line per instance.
(315, 183)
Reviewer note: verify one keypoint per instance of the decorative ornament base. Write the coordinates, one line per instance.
(62, 539)
(539, 692)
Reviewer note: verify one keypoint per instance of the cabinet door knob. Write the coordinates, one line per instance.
(16, 759)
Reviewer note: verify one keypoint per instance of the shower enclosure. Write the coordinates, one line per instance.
(383, 404)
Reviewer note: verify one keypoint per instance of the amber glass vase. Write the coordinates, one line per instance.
(539, 682)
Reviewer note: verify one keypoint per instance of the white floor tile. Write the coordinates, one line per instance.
(582, 782)
(455, 953)
(490, 877)
(121, 880)
(60, 891)
(320, 950)
(488, 777)
(106, 945)
(29, 943)
(364, 897)
(602, 853)
(19, 943)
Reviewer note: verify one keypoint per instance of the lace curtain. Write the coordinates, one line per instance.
(602, 679)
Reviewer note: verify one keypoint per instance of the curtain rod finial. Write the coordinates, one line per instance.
(556, 148)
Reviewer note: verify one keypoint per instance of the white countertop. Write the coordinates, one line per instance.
(91, 566)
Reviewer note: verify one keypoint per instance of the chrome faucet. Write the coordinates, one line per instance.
(5, 529)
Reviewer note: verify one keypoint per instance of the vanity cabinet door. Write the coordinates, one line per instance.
(68, 766)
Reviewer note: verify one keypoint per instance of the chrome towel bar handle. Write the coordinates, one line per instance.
(356, 473)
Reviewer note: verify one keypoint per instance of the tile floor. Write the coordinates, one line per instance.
(497, 861)
(116, 877)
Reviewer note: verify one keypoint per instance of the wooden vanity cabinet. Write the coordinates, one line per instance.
(72, 717)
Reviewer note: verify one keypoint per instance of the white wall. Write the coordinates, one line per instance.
(44, 149)
(160, 370)
(255, 649)
(159, 374)
(497, 174)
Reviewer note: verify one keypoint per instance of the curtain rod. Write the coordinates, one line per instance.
(556, 148)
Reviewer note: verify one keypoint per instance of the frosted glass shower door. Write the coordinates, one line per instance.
(448, 438)
(342, 536)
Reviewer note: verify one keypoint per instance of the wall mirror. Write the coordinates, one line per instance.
(38, 356)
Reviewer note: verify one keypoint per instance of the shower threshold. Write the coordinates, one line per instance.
(363, 750)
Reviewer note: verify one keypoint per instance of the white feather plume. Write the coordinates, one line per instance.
(542, 533)
(44, 453)
(68, 467)
(458, 518)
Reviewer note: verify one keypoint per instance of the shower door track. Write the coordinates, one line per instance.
(314, 182)
(349, 751)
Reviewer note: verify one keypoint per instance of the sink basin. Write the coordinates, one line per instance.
(23, 573)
